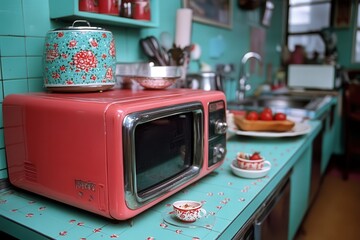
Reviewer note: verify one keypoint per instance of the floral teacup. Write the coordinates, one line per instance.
(188, 211)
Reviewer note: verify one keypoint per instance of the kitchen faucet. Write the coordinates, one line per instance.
(243, 86)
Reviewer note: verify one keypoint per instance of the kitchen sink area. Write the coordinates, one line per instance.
(304, 106)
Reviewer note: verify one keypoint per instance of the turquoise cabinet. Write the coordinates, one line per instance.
(69, 10)
(338, 126)
(300, 190)
(330, 133)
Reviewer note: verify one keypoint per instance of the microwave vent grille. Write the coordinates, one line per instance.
(30, 172)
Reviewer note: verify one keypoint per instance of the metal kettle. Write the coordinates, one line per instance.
(205, 80)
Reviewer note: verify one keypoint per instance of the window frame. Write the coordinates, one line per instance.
(313, 32)
(355, 31)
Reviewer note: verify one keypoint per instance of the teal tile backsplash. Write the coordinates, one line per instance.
(11, 18)
(34, 67)
(12, 46)
(1, 98)
(1, 139)
(1, 115)
(36, 85)
(15, 86)
(1, 119)
(36, 17)
(34, 46)
(2, 159)
(13, 67)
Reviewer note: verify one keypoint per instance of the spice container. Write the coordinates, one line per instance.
(126, 9)
(88, 5)
(109, 7)
(141, 10)
(79, 58)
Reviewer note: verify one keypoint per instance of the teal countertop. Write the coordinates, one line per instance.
(229, 200)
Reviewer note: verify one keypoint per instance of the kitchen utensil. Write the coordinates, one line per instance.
(179, 56)
(79, 58)
(163, 55)
(125, 72)
(152, 50)
(205, 81)
(157, 77)
(148, 50)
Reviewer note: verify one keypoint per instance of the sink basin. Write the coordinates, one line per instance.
(297, 106)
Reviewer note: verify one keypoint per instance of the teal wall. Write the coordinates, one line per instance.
(345, 38)
(24, 24)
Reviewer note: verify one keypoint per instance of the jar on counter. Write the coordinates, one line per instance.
(88, 5)
(109, 7)
(298, 56)
(126, 8)
(141, 10)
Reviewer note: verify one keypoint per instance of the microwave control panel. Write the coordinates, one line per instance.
(217, 132)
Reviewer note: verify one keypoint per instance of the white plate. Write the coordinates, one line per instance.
(248, 173)
(300, 128)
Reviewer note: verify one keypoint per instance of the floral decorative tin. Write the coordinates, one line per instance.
(79, 58)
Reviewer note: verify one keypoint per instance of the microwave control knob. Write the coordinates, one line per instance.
(219, 152)
(220, 127)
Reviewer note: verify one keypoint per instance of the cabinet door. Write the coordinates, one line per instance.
(300, 191)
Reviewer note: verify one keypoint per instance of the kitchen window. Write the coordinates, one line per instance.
(357, 37)
(306, 20)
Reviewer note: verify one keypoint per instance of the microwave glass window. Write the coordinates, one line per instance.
(164, 148)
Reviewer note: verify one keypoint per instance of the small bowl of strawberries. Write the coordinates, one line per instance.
(252, 161)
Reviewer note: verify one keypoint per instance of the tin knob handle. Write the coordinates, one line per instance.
(220, 127)
(219, 152)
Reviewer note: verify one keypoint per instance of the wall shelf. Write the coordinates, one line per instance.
(68, 10)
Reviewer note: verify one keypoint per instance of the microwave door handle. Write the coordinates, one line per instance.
(177, 181)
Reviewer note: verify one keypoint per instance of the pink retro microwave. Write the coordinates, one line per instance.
(114, 153)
